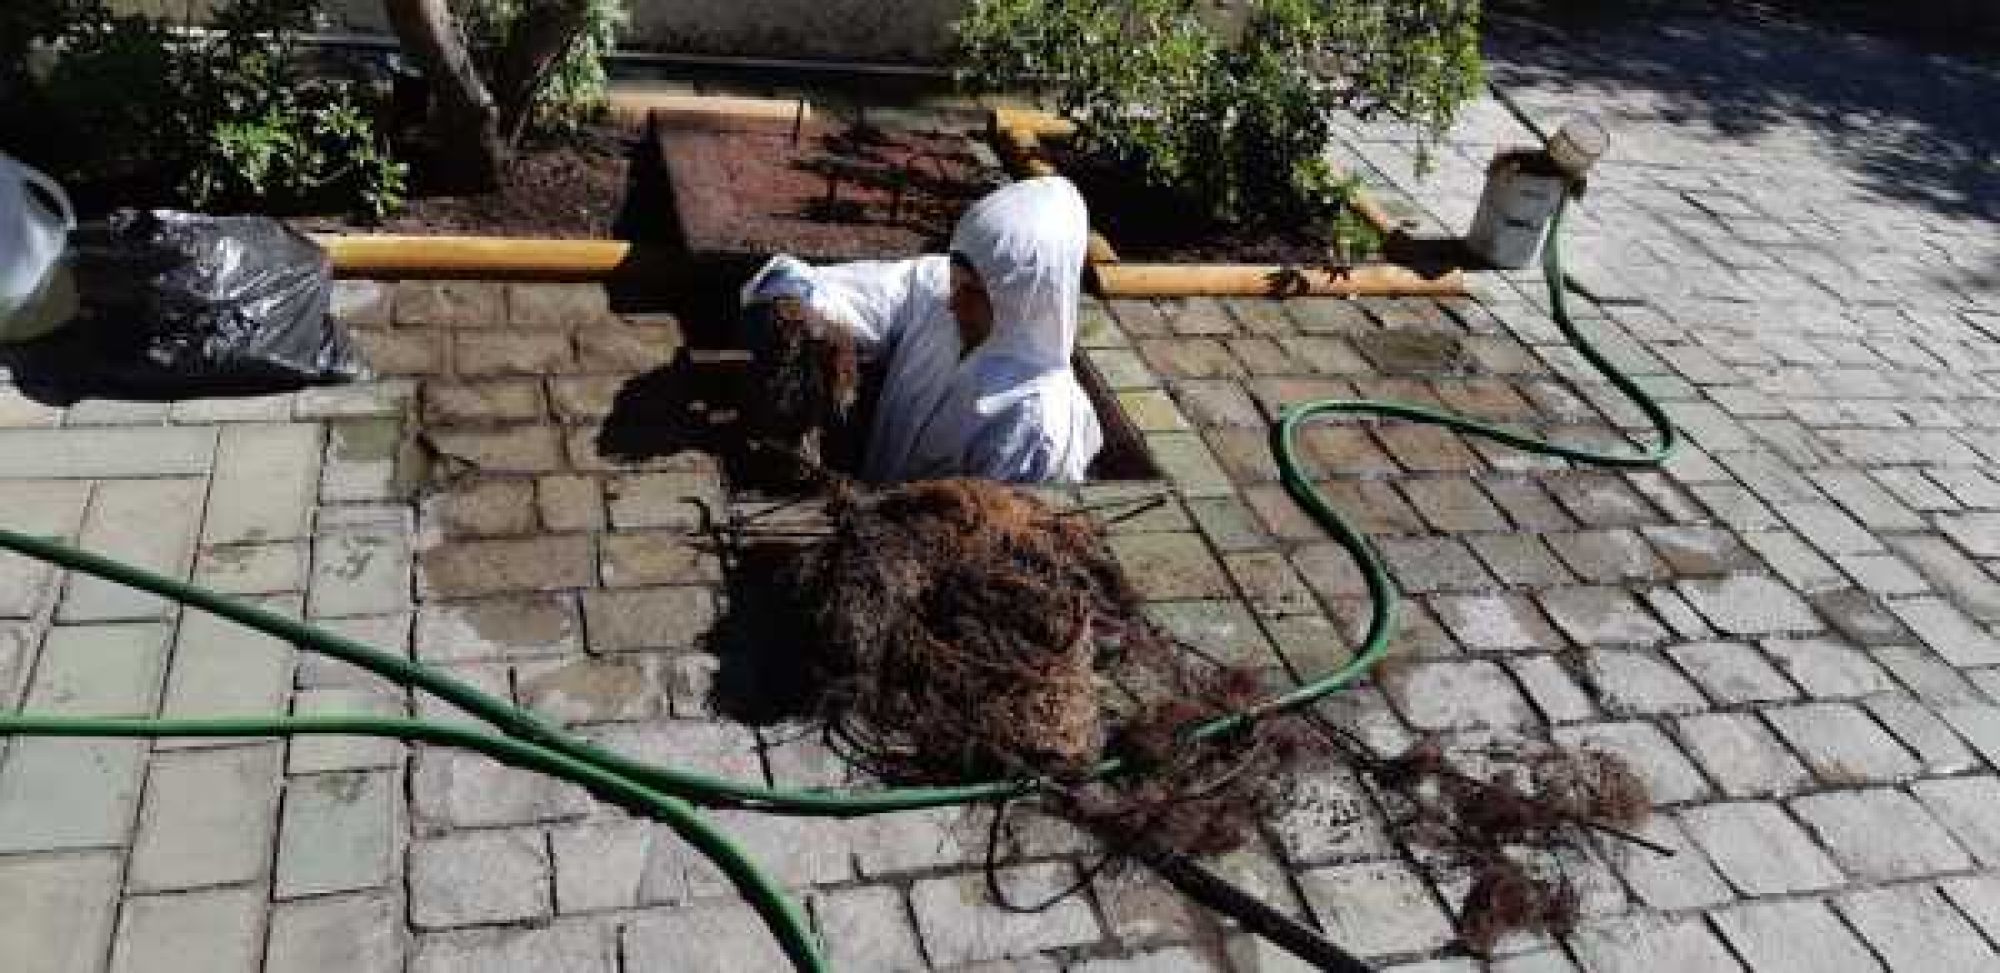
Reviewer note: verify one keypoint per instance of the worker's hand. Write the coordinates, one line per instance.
(783, 276)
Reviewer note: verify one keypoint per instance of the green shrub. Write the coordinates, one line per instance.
(319, 146)
(1236, 112)
(227, 119)
(575, 91)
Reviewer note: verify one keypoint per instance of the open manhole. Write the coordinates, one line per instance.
(714, 399)
(1124, 456)
(733, 386)
(744, 189)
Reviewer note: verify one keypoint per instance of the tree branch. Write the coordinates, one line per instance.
(542, 38)
(467, 114)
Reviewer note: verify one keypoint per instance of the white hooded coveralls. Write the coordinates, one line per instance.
(1012, 410)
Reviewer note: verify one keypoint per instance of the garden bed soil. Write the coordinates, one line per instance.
(572, 190)
(1148, 224)
(826, 193)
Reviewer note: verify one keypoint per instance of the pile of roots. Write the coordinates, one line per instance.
(970, 632)
(966, 631)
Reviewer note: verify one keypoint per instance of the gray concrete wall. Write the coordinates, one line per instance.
(878, 30)
(871, 30)
(916, 31)
(910, 31)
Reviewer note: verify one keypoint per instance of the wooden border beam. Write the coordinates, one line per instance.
(463, 257)
(635, 108)
(1272, 280)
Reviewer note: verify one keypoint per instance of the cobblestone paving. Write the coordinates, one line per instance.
(1789, 631)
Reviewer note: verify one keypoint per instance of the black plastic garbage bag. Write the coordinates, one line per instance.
(192, 304)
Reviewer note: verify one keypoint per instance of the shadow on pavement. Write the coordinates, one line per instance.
(1907, 121)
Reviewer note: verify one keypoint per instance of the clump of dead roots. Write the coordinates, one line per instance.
(807, 373)
(970, 632)
(966, 631)
(1511, 829)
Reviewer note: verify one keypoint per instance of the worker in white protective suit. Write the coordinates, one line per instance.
(978, 343)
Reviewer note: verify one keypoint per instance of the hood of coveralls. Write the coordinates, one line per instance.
(1028, 241)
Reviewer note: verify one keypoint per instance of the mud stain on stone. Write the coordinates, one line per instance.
(600, 689)
(1415, 352)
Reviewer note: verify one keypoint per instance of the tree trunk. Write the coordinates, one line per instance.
(544, 35)
(467, 116)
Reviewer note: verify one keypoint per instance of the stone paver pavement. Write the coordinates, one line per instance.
(1788, 631)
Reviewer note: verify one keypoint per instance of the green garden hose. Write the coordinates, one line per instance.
(670, 794)
(778, 912)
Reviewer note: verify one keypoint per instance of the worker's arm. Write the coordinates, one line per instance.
(867, 297)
